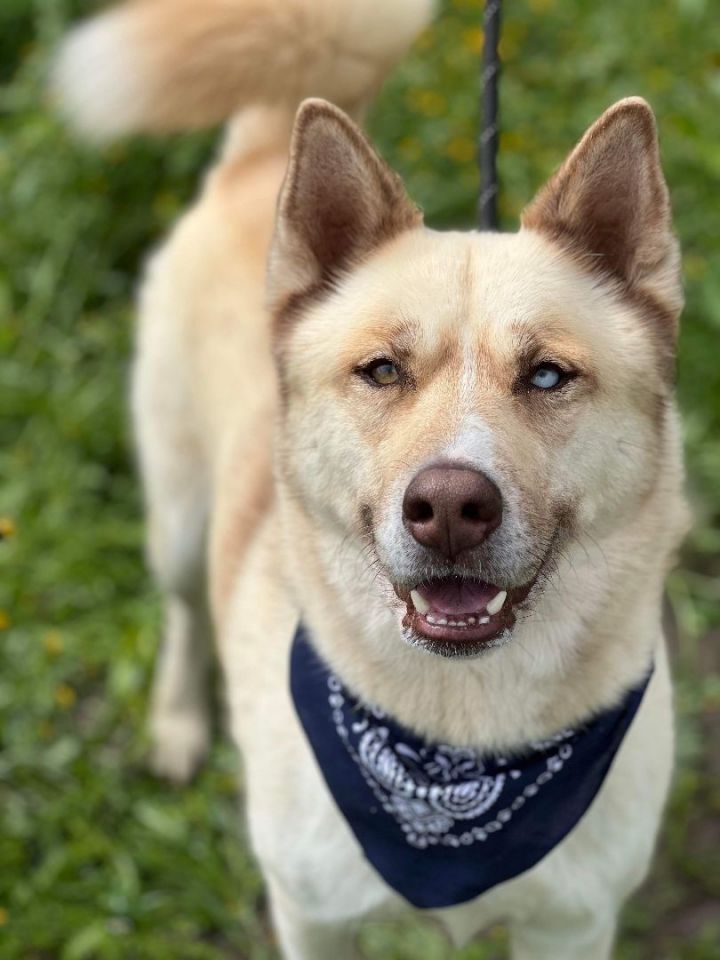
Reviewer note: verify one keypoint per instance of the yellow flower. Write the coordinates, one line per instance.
(511, 39)
(428, 102)
(4, 620)
(4, 916)
(65, 696)
(7, 527)
(461, 149)
(472, 39)
(511, 140)
(52, 642)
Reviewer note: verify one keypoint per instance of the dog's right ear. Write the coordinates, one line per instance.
(339, 201)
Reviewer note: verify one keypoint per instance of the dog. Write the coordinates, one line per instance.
(439, 473)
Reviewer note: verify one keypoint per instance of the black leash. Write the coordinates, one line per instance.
(488, 145)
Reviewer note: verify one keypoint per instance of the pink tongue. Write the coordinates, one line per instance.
(457, 596)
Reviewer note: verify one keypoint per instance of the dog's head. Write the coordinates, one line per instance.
(465, 404)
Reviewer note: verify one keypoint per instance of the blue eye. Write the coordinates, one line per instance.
(547, 376)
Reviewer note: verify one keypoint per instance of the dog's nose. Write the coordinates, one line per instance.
(451, 509)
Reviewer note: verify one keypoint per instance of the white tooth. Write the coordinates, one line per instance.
(484, 620)
(442, 622)
(430, 618)
(462, 623)
(452, 623)
(419, 602)
(471, 620)
(495, 605)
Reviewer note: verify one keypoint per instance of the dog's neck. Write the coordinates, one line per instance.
(589, 637)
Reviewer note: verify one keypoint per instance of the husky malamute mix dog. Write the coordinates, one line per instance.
(440, 471)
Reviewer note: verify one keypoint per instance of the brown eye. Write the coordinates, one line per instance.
(383, 372)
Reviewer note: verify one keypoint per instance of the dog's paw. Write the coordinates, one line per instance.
(179, 747)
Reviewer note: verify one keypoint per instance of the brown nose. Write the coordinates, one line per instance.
(451, 509)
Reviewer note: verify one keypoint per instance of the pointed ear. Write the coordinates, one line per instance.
(608, 204)
(339, 201)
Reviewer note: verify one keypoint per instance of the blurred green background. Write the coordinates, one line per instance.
(97, 858)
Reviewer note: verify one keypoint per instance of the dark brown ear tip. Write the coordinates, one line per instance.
(636, 112)
(632, 104)
(315, 110)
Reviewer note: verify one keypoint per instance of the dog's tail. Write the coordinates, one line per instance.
(168, 65)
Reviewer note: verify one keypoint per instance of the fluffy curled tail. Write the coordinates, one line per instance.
(168, 65)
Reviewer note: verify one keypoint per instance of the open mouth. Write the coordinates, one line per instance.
(455, 616)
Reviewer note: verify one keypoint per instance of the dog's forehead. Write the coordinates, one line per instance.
(489, 283)
(506, 293)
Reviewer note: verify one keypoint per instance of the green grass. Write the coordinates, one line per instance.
(98, 859)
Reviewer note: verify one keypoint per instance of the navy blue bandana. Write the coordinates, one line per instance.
(442, 824)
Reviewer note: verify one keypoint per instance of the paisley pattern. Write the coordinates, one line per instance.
(432, 790)
(440, 823)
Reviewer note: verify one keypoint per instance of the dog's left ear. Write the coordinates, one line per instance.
(608, 204)
(338, 203)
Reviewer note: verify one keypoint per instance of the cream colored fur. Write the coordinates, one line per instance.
(253, 504)
(175, 64)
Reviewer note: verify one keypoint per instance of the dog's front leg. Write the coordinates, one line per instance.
(589, 939)
(302, 938)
